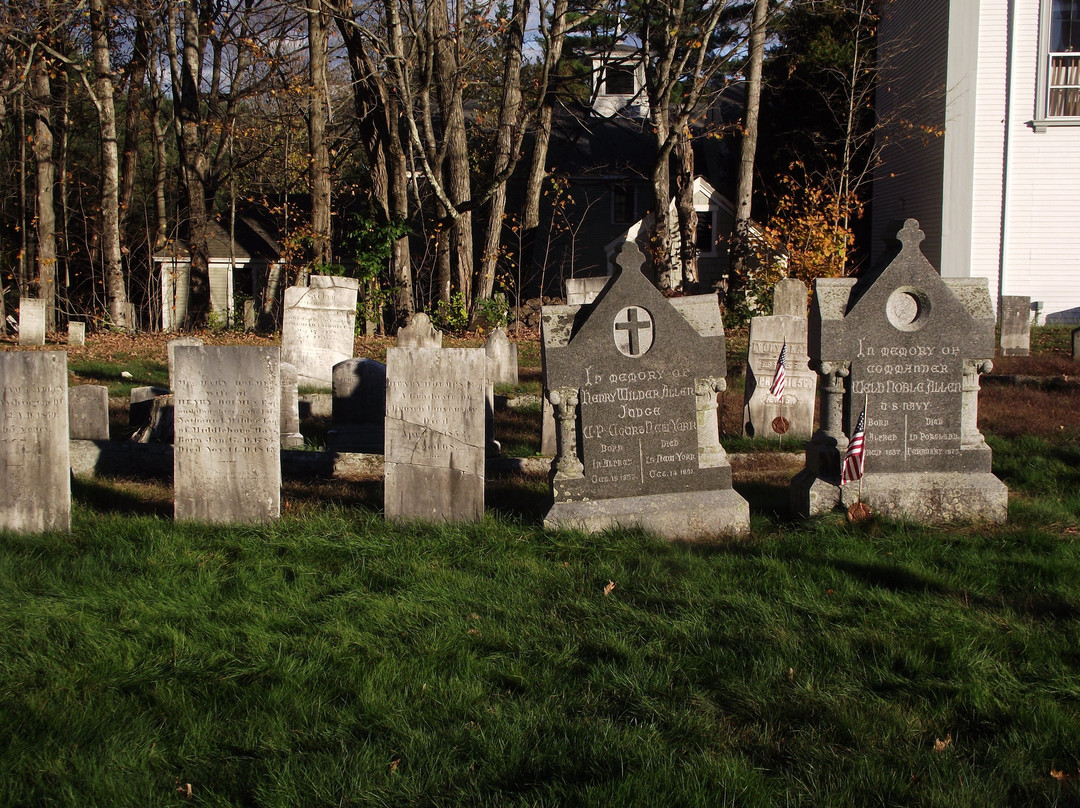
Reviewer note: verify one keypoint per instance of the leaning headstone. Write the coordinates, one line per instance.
(291, 438)
(319, 328)
(419, 333)
(905, 347)
(88, 412)
(359, 407)
(141, 402)
(76, 333)
(503, 355)
(791, 414)
(789, 297)
(170, 349)
(1076, 344)
(227, 450)
(435, 434)
(34, 448)
(580, 291)
(31, 321)
(635, 377)
(1015, 325)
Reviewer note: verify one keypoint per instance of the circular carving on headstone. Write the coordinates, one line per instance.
(907, 308)
(633, 331)
(780, 425)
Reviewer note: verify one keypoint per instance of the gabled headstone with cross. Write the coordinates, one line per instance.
(906, 346)
(633, 379)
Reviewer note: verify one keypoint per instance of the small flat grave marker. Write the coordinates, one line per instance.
(1015, 325)
(31, 321)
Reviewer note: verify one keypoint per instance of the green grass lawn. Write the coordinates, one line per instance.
(335, 659)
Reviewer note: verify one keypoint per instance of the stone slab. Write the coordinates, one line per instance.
(31, 321)
(141, 404)
(932, 498)
(419, 333)
(88, 412)
(76, 334)
(768, 336)
(34, 448)
(170, 349)
(581, 291)
(227, 449)
(435, 434)
(319, 328)
(789, 298)
(503, 358)
(691, 516)
(1015, 325)
(291, 438)
(359, 407)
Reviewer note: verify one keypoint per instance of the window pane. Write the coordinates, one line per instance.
(1065, 26)
(620, 80)
(623, 209)
(1064, 103)
(704, 232)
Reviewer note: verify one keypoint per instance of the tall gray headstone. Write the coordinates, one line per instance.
(34, 448)
(789, 297)
(227, 447)
(170, 350)
(88, 412)
(319, 328)
(1015, 325)
(76, 333)
(359, 407)
(291, 438)
(907, 347)
(635, 376)
(503, 355)
(31, 321)
(765, 415)
(419, 333)
(435, 434)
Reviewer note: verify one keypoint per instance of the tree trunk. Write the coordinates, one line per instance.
(115, 288)
(688, 216)
(318, 112)
(45, 265)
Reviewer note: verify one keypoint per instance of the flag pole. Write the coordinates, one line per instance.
(865, 405)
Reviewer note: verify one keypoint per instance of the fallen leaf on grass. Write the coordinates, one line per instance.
(1061, 777)
(940, 745)
(607, 589)
(394, 764)
(184, 790)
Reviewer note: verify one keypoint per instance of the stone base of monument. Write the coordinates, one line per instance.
(926, 498)
(691, 516)
(292, 440)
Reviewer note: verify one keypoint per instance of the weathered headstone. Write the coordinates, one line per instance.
(170, 349)
(503, 355)
(34, 448)
(76, 333)
(31, 321)
(1076, 344)
(581, 291)
(141, 402)
(907, 347)
(318, 329)
(789, 297)
(419, 333)
(88, 412)
(359, 407)
(1015, 325)
(227, 450)
(291, 438)
(435, 434)
(635, 376)
(764, 414)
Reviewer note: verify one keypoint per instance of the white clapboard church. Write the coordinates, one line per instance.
(980, 107)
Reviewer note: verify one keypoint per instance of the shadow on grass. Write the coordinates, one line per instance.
(525, 499)
(121, 497)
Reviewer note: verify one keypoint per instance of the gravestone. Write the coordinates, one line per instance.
(227, 449)
(580, 291)
(359, 407)
(141, 402)
(435, 434)
(88, 412)
(1076, 344)
(291, 438)
(503, 356)
(34, 448)
(31, 321)
(1015, 325)
(789, 297)
(170, 349)
(419, 333)
(764, 414)
(76, 333)
(635, 377)
(318, 329)
(906, 347)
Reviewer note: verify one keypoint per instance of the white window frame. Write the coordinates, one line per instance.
(1043, 119)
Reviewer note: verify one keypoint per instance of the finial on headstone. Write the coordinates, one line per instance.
(629, 256)
(910, 236)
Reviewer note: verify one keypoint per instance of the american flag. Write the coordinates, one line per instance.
(855, 456)
(780, 376)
